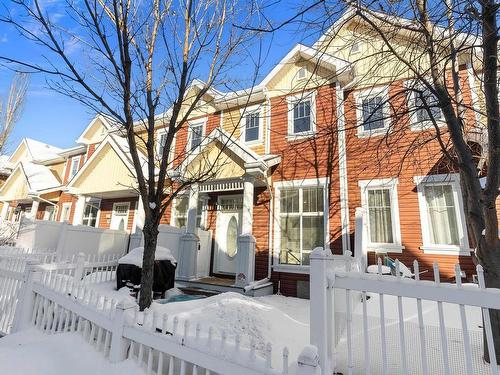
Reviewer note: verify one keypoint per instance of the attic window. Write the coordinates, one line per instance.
(356, 48)
(301, 74)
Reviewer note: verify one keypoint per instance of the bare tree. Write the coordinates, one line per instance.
(11, 107)
(138, 63)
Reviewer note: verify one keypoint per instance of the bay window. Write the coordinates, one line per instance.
(301, 214)
(442, 215)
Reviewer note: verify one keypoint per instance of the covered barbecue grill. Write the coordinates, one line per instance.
(129, 270)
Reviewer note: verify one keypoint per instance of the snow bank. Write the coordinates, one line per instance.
(282, 321)
(135, 256)
(32, 352)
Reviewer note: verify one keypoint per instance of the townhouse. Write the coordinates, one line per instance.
(293, 157)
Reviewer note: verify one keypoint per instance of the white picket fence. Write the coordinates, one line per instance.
(58, 297)
(352, 341)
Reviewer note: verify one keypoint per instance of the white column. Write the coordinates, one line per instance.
(247, 217)
(5, 211)
(139, 217)
(192, 209)
(245, 258)
(189, 243)
(34, 209)
(79, 210)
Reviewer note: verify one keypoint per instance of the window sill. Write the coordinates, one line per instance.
(445, 250)
(289, 268)
(374, 133)
(385, 248)
(300, 136)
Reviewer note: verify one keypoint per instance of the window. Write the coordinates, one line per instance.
(65, 212)
(301, 115)
(442, 216)
(91, 213)
(49, 213)
(162, 139)
(355, 48)
(252, 127)
(302, 221)
(181, 205)
(196, 135)
(301, 74)
(75, 165)
(372, 111)
(379, 199)
(422, 101)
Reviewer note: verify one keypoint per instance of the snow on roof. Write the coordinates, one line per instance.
(39, 177)
(41, 151)
(5, 165)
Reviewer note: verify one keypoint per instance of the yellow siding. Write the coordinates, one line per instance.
(16, 188)
(58, 170)
(96, 133)
(20, 154)
(106, 172)
(222, 162)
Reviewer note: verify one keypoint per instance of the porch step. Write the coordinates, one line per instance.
(213, 286)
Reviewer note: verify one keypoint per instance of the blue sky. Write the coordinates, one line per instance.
(53, 118)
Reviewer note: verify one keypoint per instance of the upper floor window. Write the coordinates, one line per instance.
(161, 140)
(379, 199)
(424, 109)
(196, 133)
(442, 215)
(75, 165)
(301, 114)
(251, 131)
(372, 111)
(301, 220)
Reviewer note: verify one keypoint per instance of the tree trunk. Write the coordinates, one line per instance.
(150, 232)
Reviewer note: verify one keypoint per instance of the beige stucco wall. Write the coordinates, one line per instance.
(105, 173)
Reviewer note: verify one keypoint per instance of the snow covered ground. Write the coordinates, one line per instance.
(32, 352)
(281, 321)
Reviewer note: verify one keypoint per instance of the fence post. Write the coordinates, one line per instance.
(308, 362)
(360, 251)
(80, 268)
(26, 299)
(318, 307)
(118, 350)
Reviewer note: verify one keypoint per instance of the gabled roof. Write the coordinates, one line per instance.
(37, 151)
(108, 123)
(120, 146)
(38, 177)
(310, 54)
(249, 157)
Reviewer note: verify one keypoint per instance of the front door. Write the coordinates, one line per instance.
(228, 228)
(119, 217)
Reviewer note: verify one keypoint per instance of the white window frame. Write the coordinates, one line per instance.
(452, 179)
(313, 182)
(46, 213)
(203, 217)
(98, 216)
(73, 159)
(127, 216)
(376, 184)
(415, 125)
(64, 206)
(291, 101)
(250, 111)
(372, 92)
(191, 125)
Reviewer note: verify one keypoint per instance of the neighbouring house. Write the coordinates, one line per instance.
(293, 156)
